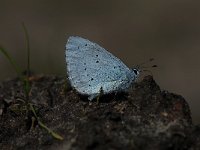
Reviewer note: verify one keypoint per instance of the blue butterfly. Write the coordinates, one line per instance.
(91, 69)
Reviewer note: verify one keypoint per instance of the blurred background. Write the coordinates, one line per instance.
(133, 30)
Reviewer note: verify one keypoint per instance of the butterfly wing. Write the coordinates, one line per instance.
(90, 67)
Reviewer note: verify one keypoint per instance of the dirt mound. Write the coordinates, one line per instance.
(144, 118)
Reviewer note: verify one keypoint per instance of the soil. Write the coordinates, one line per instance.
(145, 118)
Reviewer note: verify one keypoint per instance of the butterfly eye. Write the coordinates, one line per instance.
(135, 71)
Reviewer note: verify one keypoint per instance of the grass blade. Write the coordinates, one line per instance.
(54, 134)
(12, 62)
(28, 49)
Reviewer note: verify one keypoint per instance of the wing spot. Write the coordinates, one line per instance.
(85, 44)
(85, 69)
(97, 55)
(97, 61)
(89, 85)
(92, 79)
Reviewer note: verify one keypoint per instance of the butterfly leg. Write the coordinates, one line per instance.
(115, 94)
(100, 94)
(91, 97)
(96, 95)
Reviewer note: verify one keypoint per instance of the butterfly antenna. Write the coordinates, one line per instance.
(143, 63)
(148, 71)
(153, 66)
(143, 68)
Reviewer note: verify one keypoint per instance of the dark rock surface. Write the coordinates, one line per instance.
(144, 118)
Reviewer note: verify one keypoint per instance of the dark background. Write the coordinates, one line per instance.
(133, 30)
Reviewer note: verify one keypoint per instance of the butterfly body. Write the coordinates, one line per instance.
(91, 68)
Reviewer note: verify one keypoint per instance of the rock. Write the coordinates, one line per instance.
(144, 118)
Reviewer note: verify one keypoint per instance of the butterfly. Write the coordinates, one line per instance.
(91, 69)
